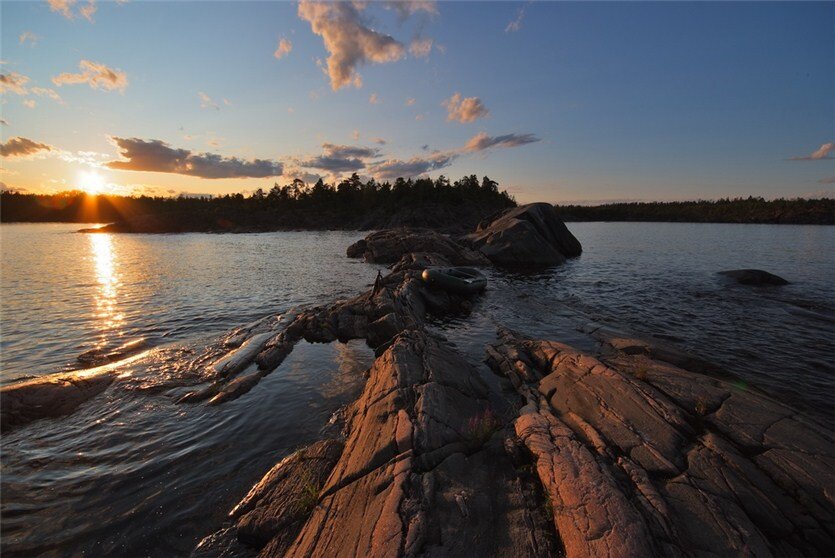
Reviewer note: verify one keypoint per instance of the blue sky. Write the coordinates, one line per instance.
(578, 101)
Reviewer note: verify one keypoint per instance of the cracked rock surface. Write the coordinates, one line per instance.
(642, 458)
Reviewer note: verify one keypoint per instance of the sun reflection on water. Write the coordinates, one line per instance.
(108, 316)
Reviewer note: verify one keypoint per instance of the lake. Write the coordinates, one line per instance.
(132, 473)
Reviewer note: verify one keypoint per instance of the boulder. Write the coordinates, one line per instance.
(754, 277)
(530, 235)
(389, 246)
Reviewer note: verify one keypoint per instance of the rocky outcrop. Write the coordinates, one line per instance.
(754, 277)
(424, 471)
(389, 246)
(642, 458)
(270, 516)
(49, 396)
(530, 235)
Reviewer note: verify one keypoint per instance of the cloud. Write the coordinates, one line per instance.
(374, 99)
(410, 102)
(349, 42)
(158, 156)
(46, 92)
(516, 24)
(333, 164)
(13, 82)
(283, 49)
(97, 76)
(379, 141)
(465, 110)
(3, 122)
(356, 134)
(23, 148)
(30, 103)
(830, 180)
(420, 48)
(333, 150)
(406, 8)
(822, 153)
(416, 166)
(206, 101)
(65, 8)
(28, 36)
(482, 141)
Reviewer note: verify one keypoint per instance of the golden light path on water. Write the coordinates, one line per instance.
(107, 312)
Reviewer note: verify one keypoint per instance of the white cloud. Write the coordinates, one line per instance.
(13, 82)
(96, 75)
(516, 24)
(410, 102)
(65, 8)
(348, 40)
(283, 49)
(420, 48)
(206, 101)
(29, 103)
(28, 36)
(374, 99)
(416, 166)
(465, 110)
(47, 92)
(821, 153)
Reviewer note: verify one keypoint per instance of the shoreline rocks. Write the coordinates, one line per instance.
(643, 458)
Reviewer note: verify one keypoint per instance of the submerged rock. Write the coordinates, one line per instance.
(530, 235)
(754, 277)
(49, 396)
(643, 458)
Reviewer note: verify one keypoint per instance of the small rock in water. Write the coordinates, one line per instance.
(754, 277)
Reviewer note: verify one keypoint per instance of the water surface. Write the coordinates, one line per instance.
(132, 473)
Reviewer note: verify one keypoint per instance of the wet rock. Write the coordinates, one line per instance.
(389, 246)
(754, 277)
(643, 458)
(100, 356)
(530, 235)
(271, 514)
(49, 396)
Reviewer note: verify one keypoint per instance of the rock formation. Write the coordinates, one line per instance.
(642, 458)
(530, 235)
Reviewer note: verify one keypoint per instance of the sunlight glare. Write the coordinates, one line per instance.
(91, 182)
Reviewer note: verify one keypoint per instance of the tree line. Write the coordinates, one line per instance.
(819, 211)
(350, 203)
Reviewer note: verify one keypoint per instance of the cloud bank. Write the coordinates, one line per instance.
(158, 156)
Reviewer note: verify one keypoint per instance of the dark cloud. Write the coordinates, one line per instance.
(158, 156)
(482, 141)
(333, 164)
(23, 147)
(355, 151)
(416, 166)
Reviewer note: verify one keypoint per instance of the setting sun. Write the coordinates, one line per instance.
(91, 182)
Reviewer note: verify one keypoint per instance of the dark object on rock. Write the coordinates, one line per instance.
(389, 246)
(49, 396)
(754, 277)
(643, 458)
(530, 235)
(462, 280)
(99, 356)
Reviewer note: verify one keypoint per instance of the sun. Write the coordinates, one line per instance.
(91, 182)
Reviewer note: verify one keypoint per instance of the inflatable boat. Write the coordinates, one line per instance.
(461, 280)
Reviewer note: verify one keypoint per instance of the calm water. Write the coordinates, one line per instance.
(131, 473)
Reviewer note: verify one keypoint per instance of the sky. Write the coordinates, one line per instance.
(557, 101)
